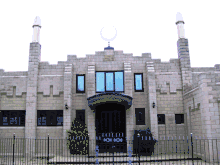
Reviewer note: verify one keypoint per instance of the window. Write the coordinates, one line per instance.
(140, 116)
(161, 118)
(80, 83)
(109, 82)
(12, 118)
(179, 118)
(50, 118)
(80, 115)
(100, 82)
(138, 82)
(119, 81)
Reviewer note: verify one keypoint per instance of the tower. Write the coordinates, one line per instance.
(185, 66)
(31, 98)
(183, 55)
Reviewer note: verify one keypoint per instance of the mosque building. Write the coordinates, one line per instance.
(112, 92)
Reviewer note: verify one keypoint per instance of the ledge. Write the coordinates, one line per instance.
(80, 94)
(21, 127)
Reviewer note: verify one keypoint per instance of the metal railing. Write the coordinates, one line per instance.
(171, 149)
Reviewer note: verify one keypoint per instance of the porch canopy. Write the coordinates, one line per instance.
(104, 98)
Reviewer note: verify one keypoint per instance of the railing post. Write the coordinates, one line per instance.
(14, 149)
(48, 149)
(129, 154)
(138, 148)
(217, 150)
(113, 157)
(192, 146)
(36, 153)
(88, 147)
(97, 151)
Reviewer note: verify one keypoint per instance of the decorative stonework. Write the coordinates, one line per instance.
(195, 109)
(108, 58)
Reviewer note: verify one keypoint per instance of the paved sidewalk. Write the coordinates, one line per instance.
(68, 159)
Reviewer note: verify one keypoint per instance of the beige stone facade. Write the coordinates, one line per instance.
(175, 87)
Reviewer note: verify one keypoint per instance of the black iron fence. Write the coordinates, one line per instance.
(52, 151)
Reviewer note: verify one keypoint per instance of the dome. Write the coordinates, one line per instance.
(108, 48)
(179, 17)
(37, 21)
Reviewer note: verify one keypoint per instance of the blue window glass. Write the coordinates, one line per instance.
(80, 83)
(43, 121)
(119, 81)
(41, 117)
(12, 118)
(5, 122)
(50, 117)
(6, 117)
(138, 82)
(109, 82)
(100, 82)
(59, 120)
(60, 117)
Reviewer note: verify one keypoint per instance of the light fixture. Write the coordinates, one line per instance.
(153, 104)
(66, 106)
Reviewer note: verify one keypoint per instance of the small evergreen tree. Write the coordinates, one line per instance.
(76, 138)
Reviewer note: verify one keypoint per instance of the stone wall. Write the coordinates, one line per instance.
(162, 81)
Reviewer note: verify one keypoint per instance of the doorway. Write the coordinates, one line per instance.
(111, 128)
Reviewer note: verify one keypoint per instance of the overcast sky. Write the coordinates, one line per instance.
(73, 28)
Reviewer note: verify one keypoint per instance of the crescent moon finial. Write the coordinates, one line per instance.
(106, 39)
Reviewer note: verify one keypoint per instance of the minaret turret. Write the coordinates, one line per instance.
(183, 55)
(180, 25)
(185, 65)
(36, 30)
(32, 85)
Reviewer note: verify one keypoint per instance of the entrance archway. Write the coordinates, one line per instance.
(111, 128)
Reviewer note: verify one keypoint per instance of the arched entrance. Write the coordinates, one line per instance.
(111, 128)
(110, 120)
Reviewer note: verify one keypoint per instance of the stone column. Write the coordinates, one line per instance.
(209, 116)
(185, 66)
(68, 90)
(128, 83)
(152, 97)
(90, 82)
(186, 73)
(31, 97)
